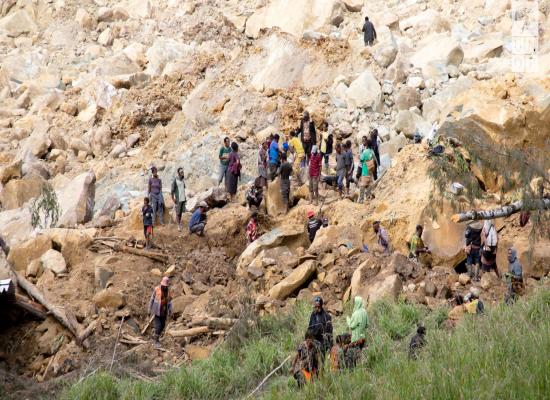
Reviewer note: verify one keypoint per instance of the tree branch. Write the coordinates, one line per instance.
(504, 211)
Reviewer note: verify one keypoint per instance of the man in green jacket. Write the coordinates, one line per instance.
(178, 195)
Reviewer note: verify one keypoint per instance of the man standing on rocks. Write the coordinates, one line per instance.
(147, 214)
(299, 156)
(348, 163)
(369, 33)
(473, 250)
(285, 171)
(197, 223)
(223, 156)
(308, 134)
(178, 195)
(155, 196)
(273, 154)
(160, 306)
(340, 168)
(320, 323)
(315, 163)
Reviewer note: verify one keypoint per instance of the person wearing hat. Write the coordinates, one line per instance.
(160, 306)
(155, 196)
(197, 223)
(320, 323)
(315, 164)
(313, 225)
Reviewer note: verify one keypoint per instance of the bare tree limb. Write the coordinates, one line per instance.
(268, 376)
(504, 211)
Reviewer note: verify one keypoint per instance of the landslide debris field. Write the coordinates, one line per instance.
(94, 93)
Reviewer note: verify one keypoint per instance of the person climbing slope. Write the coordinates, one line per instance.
(369, 33)
(160, 306)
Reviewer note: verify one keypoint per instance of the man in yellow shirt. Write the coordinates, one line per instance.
(297, 148)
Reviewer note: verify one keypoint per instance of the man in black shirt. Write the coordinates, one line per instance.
(320, 322)
(313, 225)
(285, 171)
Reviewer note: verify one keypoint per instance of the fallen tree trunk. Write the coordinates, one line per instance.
(163, 258)
(189, 332)
(504, 211)
(30, 306)
(214, 323)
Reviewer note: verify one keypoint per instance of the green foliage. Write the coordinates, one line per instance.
(45, 209)
(500, 355)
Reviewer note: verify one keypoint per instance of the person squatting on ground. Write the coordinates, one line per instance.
(252, 228)
(274, 156)
(313, 225)
(315, 162)
(417, 342)
(473, 303)
(307, 361)
(368, 164)
(160, 306)
(155, 196)
(369, 33)
(320, 323)
(178, 195)
(308, 134)
(297, 149)
(147, 214)
(472, 250)
(255, 194)
(223, 156)
(197, 223)
(357, 323)
(285, 171)
(489, 243)
(417, 249)
(383, 239)
(514, 277)
(233, 171)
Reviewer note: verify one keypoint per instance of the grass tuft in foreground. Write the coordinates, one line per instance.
(504, 354)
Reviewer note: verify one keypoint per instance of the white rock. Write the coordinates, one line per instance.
(408, 122)
(106, 37)
(84, 19)
(54, 261)
(162, 52)
(136, 53)
(18, 23)
(364, 92)
(415, 82)
(77, 199)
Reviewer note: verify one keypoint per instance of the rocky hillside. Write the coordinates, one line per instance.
(93, 93)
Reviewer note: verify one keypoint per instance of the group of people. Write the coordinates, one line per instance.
(344, 352)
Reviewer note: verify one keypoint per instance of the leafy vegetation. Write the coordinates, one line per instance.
(500, 355)
(45, 209)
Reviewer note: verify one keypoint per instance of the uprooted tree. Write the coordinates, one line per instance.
(45, 209)
(519, 172)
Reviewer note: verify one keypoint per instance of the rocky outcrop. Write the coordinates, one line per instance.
(294, 281)
(19, 191)
(21, 255)
(77, 199)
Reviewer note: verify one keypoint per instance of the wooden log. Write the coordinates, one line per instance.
(163, 258)
(189, 332)
(36, 309)
(214, 323)
(147, 325)
(504, 211)
(58, 312)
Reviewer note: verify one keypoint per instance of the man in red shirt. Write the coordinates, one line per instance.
(315, 162)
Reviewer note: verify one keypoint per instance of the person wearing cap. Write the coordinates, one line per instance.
(382, 236)
(320, 323)
(313, 225)
(315, 163)
(178, 195)
(155, 196)
(160, 306)
(197, 223)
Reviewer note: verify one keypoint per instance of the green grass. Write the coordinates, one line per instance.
(504, 354)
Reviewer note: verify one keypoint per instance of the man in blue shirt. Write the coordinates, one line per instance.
(273, 156)
(197, 223)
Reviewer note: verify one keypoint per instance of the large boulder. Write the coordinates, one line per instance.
(364, 92)
(163, 51)
(386, 284)
(16, 225)
(434, 54)
(17, 192)
(54, 261)
(77, 200)
(408, 122)
(295, 17)
(482, 49)
(438, 107)
(18, 23)
(21, 255)
(273, 200)
(109, 298)
(37, 144)
(10, 171)
(406, 98)
(426, 21)
(71, 242)
(284, 235)
(334, 236)
(385, 49)
(294, 281)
